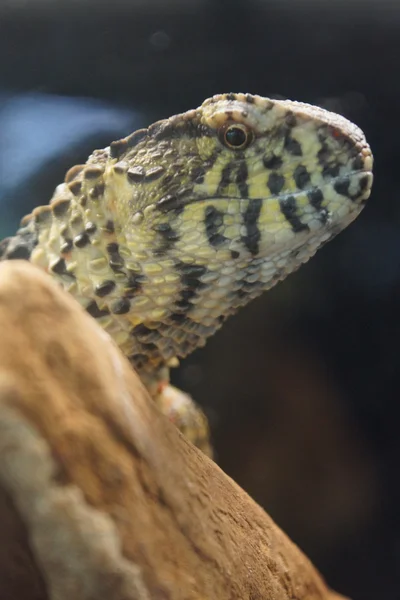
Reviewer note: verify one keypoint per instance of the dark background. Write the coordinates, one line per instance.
(302, 386)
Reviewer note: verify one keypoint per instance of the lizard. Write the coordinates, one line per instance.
(165, 233)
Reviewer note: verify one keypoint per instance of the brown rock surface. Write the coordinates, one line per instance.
(100, 496)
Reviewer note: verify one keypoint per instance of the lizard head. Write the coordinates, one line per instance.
(220, 203)
(244, 177)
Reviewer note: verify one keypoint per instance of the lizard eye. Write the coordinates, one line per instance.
(236, 137)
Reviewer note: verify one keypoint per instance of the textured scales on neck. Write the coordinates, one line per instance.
(169, 231)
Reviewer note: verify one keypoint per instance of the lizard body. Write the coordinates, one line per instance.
(170, 230)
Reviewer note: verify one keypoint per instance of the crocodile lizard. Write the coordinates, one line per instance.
(167, 232)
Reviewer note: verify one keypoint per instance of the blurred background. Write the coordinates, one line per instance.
(301, 387)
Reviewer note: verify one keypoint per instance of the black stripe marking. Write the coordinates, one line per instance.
(342, 185)
(112, 247)
(288, 209)
(323, 153)
(164, 184)
(66, 246)
(197, 174)
(169, 202)
(275, 183)
(210, 161)
(90, 227)
(213, 220)
(104, 288)
(81, 240)
(139, 360)
(143, 333)
(293, 146)
(331, 170)
(191, 270)
(290, 119)
(184, 302)
(190, 280)
(109, 227)
(364, 182)
(358, 163)
(121, 306)
(168, 238)
(134, 284)
(177, 318)
(272, 162)
(116, 261)
(250, 220)
(59, 267)
(301, 177)
(95, 311)
(225, 177)
(315, 198)
(242, 174)
(184, 191)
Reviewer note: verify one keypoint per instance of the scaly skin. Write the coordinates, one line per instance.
(170, 230)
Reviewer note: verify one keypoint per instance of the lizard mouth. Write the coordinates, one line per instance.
(263, 224)
(354, 186)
